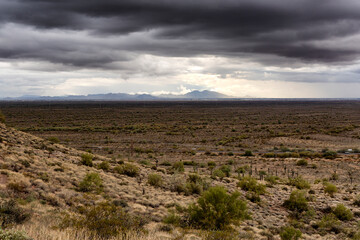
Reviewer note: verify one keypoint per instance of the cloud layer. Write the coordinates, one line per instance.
(298, 40)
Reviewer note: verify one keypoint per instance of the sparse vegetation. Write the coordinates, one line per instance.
(182, 152)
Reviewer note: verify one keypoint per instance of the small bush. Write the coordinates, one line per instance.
(87, 159)
(104, 220)
(11, 213)
(195, 185)
(328, 223)
(211, 164)
(357, 201)
(104, 165)
(218, 173)
(179, 167)
(13, 235)
(330, 189)
(272, 179)
(302, 162)
(290, 233)
(297, 202)
(155, 180)
(343, 213)
(330, 154)
(172, 218)
(299, 183)
(128, 169)
(91, 183)
(216, 209)
(53, 139)
(226, 169)
(251, 184)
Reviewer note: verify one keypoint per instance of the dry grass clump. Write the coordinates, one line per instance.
(104, 220)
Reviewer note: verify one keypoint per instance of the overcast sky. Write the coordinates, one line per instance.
(243, 48)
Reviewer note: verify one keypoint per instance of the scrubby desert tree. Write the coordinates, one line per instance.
(216, 209)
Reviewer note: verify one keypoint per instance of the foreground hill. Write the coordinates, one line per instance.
(54, 183)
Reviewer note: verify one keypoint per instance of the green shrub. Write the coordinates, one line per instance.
(216, 209)
(172, 218)
(128, 169)
(330, 154)
(104, 221)
(218, 173)
(290, 233)
(104, 165)
(269, 155)
(11, 213)
(299, 183)
(195, 185)
(272, 179)
(330, 189)
(87, 159)
(13, 235)
(251, 184)
(53, 139)
(155, 180)
(328, 223)
(179, 167)
(2, 117)
(226, 169)
(91, 183)
(343, 213)
(297, 201)
(302, 162)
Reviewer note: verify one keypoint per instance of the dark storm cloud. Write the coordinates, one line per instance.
(185, 28)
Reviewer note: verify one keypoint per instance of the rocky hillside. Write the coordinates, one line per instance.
(49, 180)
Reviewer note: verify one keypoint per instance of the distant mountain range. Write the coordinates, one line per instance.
(194, 95)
